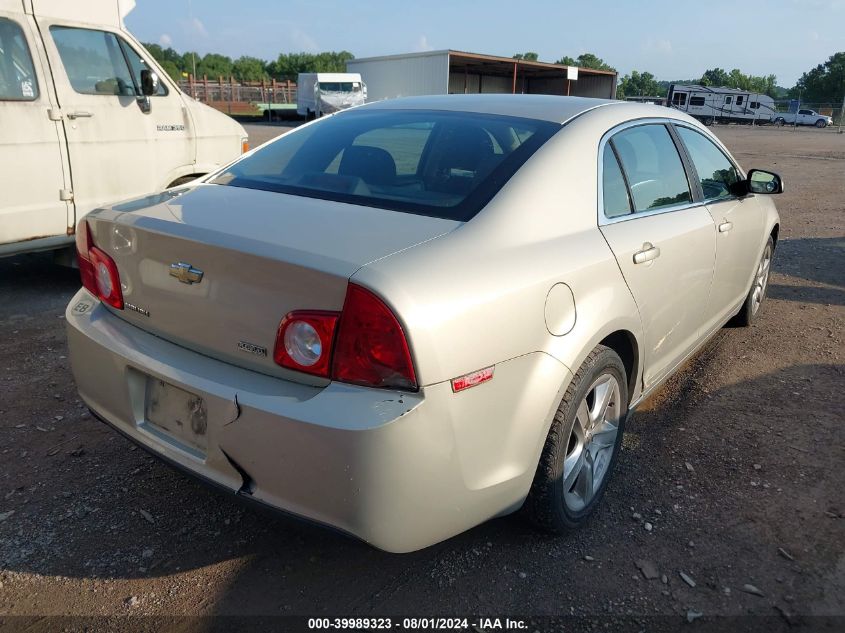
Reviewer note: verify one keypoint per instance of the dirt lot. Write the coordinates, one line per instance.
(737, 464)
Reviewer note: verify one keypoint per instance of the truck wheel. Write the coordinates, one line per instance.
(779, 121)
(582, 446)
(708, 121)
(183, 180)
(821, 123)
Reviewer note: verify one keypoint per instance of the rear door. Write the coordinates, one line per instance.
(663, 240)
(32, 174)
(739, 224)
(116, 150)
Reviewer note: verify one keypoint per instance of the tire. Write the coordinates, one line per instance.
(183, 180)
(821, 123)
(560, 499)
(750, 310)
(779, 122)
(708, 121)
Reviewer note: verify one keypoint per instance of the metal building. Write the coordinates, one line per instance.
(457, 72)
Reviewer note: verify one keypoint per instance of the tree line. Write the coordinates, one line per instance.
(824, 83)
(246, 68)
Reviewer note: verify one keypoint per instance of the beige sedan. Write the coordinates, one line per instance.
(413, 316)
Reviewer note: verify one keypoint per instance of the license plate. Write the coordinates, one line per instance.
(180, 415)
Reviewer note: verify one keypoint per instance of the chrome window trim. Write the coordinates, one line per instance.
(603, 220)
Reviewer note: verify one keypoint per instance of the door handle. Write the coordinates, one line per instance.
(648, 253)
(80, 114)
(726, 226)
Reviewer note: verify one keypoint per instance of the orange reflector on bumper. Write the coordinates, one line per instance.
(471, 380)
(244, 146)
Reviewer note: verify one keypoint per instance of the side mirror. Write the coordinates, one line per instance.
(149, 82)
(760, 181)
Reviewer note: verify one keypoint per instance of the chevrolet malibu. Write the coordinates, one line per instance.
(413, 316)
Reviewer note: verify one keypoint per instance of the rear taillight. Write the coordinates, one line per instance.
(97, 270)
(304, 341)
(371, 348)
(363, 345)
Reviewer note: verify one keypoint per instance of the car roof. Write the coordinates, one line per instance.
(542, 107)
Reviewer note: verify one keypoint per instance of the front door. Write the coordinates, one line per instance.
(738, 221)
(662, 240)
(32, 175)
(117, 150)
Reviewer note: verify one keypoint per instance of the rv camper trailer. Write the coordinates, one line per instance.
(723, 105)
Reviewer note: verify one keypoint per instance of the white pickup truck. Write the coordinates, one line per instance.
(802, 117)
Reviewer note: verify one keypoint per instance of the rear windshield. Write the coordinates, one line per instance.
(436, 163)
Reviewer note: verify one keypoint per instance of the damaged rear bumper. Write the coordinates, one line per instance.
(395, 469)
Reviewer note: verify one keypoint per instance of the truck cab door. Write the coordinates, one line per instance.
(118, 149)
(32, 165)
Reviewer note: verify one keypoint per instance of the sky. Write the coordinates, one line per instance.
(677, 39)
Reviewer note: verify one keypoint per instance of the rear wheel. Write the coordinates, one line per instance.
(582, 446)
(751, 308)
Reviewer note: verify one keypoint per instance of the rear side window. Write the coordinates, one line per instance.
(438, 163)
(715, 171)
(653, 167)
(17, 74)
(94, 61)
(614, 189)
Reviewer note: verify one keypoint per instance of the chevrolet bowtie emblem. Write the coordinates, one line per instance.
(185, 273)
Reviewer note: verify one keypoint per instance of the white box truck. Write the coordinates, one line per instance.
(87, 117)
(323, 93)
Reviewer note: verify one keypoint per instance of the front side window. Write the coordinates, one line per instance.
(93, 61)
(716, 173)
(17, 74)
(653, 167)
(137, 64)
(438, 163)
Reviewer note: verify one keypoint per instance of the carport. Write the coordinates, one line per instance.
(459, 72)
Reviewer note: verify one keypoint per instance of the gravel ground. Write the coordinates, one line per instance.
(729, 488)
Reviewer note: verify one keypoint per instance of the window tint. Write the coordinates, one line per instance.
(696, 101)
(739, 100)
(653, 166)
(614, 189)
(728, 100)
(438, 163)
(137, 64)
(754, 105)
(93, 61)
(715, 171)
(17, 75)
(679, 98)
(805, 112)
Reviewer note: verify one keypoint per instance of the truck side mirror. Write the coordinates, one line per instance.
(761, 181)
(149, 82)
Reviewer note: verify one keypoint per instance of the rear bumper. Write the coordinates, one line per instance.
(399, 470)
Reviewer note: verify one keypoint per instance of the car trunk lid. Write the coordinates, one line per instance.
(215, 268)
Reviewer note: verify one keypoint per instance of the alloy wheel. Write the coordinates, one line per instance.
(761, 279)
(592, 442)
